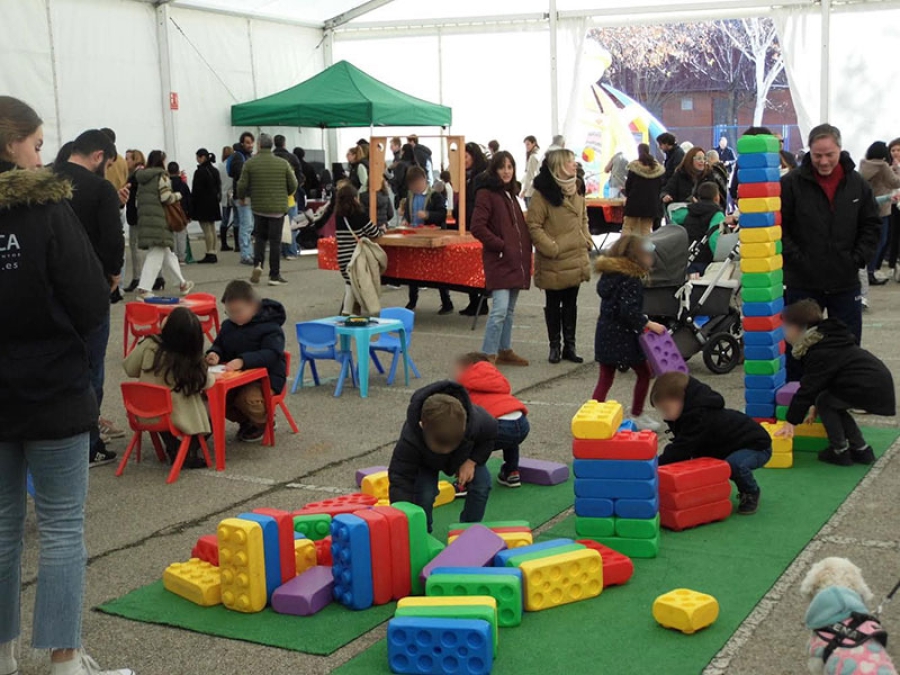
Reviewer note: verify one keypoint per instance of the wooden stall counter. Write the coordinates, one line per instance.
(423, 238)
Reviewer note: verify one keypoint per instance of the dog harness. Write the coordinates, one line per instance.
(848, 635)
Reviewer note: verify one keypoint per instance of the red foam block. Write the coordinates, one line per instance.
(699, 515)
(380, 547)
(689, 499)
(692, 474)
(338, 505)
(323, 551)
(207, 549)
(761, 323)
(624, 445)
(401, 574)
(617, 567)
(758, 190)
(285, 522)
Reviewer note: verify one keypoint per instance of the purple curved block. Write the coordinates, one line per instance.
(362, 473)
(785, 394)
(306, 594)
(542, 472)
(662, 353)
(475, 547)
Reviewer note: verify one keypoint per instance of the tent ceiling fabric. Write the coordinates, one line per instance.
(312, 12)
(340, 96)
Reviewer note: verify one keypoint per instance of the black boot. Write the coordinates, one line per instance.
(132, 287)
(159, 284)
(552, 318)
(223, 235)
(569, 322)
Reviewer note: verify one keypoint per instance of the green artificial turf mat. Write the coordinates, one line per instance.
(737, 561)
(334, 626)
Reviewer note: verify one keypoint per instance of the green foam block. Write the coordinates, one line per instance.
(434, 547)
(516, 560)
(762, 279)
(595, 527)
(420, 546)
(506, 590)
(314, 526)
(762, 294)
(754, 145)
(638, 528)
(633, 548)
(456, 612)
(768, 367)
(809, 444)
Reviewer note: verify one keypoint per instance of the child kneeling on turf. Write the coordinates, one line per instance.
(251, 337)
(444, 431)
(488, 388)
(704, 427)
(838, 375)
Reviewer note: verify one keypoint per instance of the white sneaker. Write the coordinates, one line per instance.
(8, 664)
(187, 287)
(256, 274)
(84, 665)
(646, 423)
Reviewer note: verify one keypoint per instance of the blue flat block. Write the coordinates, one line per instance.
(351, 561)
(770, 308)
(760, 396)
(762, 160)
(501, 558)
(628, 425)
(750, 220)
(765, 381)
(763, 338)
(769, 175)
(298, 536)
(762, 352)
(602, 488)
(271, 549)
(760, 410)
(424, 646)
(616, 469)
(643, 509)
(594, 508)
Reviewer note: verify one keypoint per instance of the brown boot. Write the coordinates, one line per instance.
(509, 357)
(492, 359)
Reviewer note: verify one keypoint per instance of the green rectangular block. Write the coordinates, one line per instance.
(809, 444)
(434, 547)
(491, 524)
(781, 412)
(506, 590)
(762, 294)
(456, 612)
(637, 528)
(768, 367)
(595, 527)
(315, 526)
(754, 145)
(633, 548)
(419, 544)
(762, 279)
(516, 560)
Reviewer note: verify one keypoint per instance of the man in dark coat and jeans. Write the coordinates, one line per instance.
(830, 229)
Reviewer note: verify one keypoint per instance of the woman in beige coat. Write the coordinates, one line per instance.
(557, 220)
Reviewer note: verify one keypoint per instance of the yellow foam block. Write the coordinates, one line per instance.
(446, 493)
(562, 579)
(242, 562)
(685, 610)
(759, 235)
(383, 502)
(779, 445)
(196, 581)
(597, 421)
(780, 460)
(814, 430)
(304, 554)
(448, 601)
(376, 484)
(512, 539)
(750, 265)
(761, 250)
(759, 204)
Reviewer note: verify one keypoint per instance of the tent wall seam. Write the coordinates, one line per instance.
(54, 73)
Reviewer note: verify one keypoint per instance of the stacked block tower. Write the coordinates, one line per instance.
(616, 481)
(759, 201)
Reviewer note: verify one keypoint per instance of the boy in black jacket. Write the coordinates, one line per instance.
(251, 337)
(703, 215)
(704, 427)
(444, 431)
(838, 375)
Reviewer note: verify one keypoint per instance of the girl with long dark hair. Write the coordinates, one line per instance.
(476, 165)
(642, 187)
(351, 224)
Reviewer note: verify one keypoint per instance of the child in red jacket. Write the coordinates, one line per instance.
(488, 388)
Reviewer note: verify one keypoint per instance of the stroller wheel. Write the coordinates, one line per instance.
(722, 353)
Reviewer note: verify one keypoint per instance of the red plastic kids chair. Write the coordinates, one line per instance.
(278, 402)
(208, 315)
(149, 408)
(141, 320)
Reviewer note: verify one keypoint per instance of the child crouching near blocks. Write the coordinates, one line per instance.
(444, 431)
(838, 375)
(704, 427)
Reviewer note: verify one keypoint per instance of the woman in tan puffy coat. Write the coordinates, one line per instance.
(557, 220)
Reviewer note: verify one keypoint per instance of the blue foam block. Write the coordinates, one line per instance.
(501, 558)
(593, 508)
(761, 160)
(762, 352)
(643, 509)
(628, 425)
(298, 536)
(420, 645)
(271, 549)
(770, 308)
(351, 561)
(602, 488)
(769, 175)
(749, 220)
(618, 469)
(760, 396)
(760, 410)
(763, 338)
(765, 381)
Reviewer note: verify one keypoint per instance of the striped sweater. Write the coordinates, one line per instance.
(357, 224)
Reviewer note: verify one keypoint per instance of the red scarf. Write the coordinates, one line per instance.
(829, 184)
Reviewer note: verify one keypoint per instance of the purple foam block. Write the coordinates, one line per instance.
(475, 547)
(662, 354)
(785, 395)
(362, 473)
(541, 472)
(306, 594)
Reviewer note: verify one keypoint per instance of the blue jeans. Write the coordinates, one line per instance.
(510, 435)
(846, 306)
(426, 490)
(243, 219)
(292, 248)
(498, 331)
(743, 464)
(96, 345)
(59, 470)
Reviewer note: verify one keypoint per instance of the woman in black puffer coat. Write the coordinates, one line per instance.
(206, 196)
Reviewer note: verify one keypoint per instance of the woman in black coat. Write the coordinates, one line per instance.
(476, 165)
(642, 188)
(693, 171)
(206, 197)
(401, 167)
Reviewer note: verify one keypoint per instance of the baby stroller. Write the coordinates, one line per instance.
(701, 314)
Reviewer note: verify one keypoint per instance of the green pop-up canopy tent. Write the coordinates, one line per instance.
(340, 96)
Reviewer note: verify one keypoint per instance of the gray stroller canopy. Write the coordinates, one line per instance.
(671, 256)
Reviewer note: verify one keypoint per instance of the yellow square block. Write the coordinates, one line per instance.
(780, 460)
(750, 265)
(194, 580)
(562, 579)
(304, 554)
(383, 502)
(446, 494)
(759, 235)
(780, 446)
(759, 204)
(242, 562)
(597, 421)
(376, 484)
(685, 610)
(448, 601)
(761, 250)
(814, 430)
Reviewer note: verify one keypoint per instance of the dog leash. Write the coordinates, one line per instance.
(887, 599)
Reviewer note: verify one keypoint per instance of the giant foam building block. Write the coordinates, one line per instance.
(490, 571)
(779, 443)
(769, 367)
(759, 205)
(419, 549)
(435, 546)
(688, 499)
(285, 522)
(272, 549)
(514, 539)
(597, 420)
(207, 549)
(477, 612)
(763, 323)
(428, 646)
(767, 175)
(662, 353)
(633, 548)
(765, 144)
(594, 508)
(761, 265)
(617, 568)
(376, 484)
(517, 560)
(760, 396)
(351, 561)
(602, 488)
(685, 610)
(400, 558)
(562, 579)
(595, 527)
(338, 505)
(502, 557)
(782, 460)
(494, 525)
(765, 381)
(196, 581)
(314, 526)
(626, 445)
(305, 555)
(684, 519)
(693, 474)
(475, 547)
(764, 337)
(759, 411)
(242, 562)
(762, 308)
(323, 551)
(380, 550)
(637, 528)
(786, 393)
(636, 508)
(760, 250)
(362, 473)
(760, 235)
(446, 493)
(763, 352)
(306, 594)
(758, 190)
(760, 160)
(616, 469)
(506, 589)
(542, 472)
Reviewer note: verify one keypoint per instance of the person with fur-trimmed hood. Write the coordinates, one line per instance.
(642, 187)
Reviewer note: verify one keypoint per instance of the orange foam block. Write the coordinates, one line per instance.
(623, 445)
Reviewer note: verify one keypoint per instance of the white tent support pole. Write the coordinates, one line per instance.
(331, 151)
(440, 55)
(554, 72)
(54, 74)
(165, 78)
(355, 13)
(825, 103)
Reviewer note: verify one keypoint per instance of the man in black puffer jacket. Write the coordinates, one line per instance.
(444, 431)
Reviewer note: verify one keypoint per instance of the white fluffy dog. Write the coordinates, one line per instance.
(846, 639)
